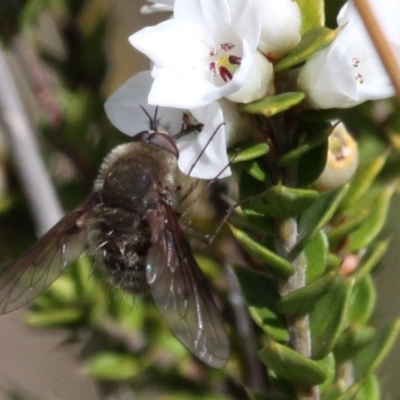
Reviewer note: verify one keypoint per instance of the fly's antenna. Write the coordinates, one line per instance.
(154, 127)
(152, 120)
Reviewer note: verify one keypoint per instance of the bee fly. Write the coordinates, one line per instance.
(129, 223)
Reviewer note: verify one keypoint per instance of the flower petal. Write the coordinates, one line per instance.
(209, 15)
(215, 157)
(174, 89)
(124, 111)
(258, 83)
(327, 84)
(246, 20)
(174, 44)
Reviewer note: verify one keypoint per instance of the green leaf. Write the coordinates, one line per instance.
(264, 396)
(372, 258)
(261, 294)
(312, 41)
(353, 339)
(347, 226)
(310, 150)
(282, 202)
(302, 300)
(365, 389)
(64, 290)
(328, 364)
(249, 152)
(362, 302)
(55, 317)
(310, 143)
(362, 181)
(370, 229)
(129, 313)
(312, 164)
(290, 365)
(351, 393)
(333, 261)
(272, 105)
(61, 293)
(254, 169)
(369, 389)
(81, 274)
(258, 221)
(316, 253)
(368, 359)
(109, 366)
(282, 385)
(329, 316)
(276, 263)
(332, 393)
(318, 215)
(312, 13)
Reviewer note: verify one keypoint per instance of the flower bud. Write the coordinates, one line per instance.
(342, 160)
(350, 264)
(280, 27)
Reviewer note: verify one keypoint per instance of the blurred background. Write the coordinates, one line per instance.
(66, 57)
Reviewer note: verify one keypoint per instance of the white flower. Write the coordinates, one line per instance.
(124, 111)
(280, 27)
(158, 6)
(350, 71)
(204, 53)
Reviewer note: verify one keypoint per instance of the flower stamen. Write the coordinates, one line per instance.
(225, 74)
(355, 62)
(359, 78)
(225, 64)
(226, 46)
(235, 60)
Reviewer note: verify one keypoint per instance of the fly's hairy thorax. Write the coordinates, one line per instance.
(133, 180)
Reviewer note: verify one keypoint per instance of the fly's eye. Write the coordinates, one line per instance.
(165, 141)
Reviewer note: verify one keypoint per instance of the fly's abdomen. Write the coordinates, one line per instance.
(120, 240)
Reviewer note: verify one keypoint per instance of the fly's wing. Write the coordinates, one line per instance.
(181, 292)
(44, 262)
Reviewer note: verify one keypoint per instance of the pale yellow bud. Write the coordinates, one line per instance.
(342, 161)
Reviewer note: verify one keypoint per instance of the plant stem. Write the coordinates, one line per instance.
(382, 45)
(298, 326)
(254, 373)
(30, 167)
